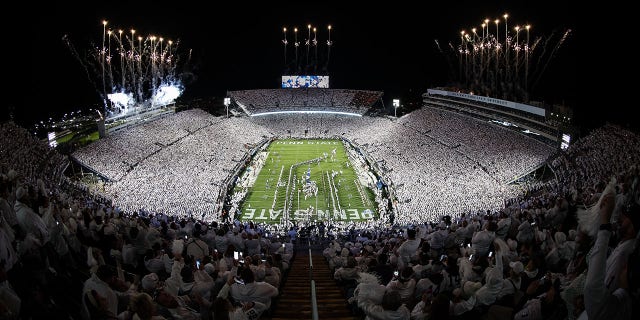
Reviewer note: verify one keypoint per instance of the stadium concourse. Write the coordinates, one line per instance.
(464, 243)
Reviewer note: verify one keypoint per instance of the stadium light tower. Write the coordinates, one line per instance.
(227, 102)
(396, 104)
(308, 43)
(329, 43)
(284, 41)
(296, 44)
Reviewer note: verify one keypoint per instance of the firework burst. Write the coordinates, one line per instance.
(506, 63)
(132, 73)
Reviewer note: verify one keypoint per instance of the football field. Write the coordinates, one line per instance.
(315, 175)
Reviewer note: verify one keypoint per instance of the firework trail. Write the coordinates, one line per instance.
(75, 54)
(450, 68)
(551, 56)
(547, 42)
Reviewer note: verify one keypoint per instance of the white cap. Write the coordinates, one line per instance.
(209, 268)
(12, 175)
(149, 282)
(516, 266)
(20, 193)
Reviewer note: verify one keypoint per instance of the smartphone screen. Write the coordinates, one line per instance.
(235, 255)
(198, 264)
(396, 273)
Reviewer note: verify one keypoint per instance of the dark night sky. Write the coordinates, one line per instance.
(379, 47)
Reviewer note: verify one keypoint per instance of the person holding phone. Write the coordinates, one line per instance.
(404, 284)
(482, 240)
(223, 308)
(611, 282)
(488, 293)
(197, 248)
(252, 291)
(383, 269)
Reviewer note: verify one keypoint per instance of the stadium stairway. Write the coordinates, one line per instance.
(294, 301)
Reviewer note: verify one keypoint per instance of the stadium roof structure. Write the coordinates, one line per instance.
(305, 100)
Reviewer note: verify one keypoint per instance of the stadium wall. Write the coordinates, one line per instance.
(500, 102)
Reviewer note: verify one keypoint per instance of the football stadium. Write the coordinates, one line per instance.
(308, 201)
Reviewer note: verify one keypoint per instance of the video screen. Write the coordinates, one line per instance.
(305, 81)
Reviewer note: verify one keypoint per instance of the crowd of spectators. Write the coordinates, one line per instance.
(482, 141)
(426, 164)
(305, 99)
(568, 250)
(65, 254)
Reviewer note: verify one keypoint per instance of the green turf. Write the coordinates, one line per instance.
(79, 138)
(347, 205)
